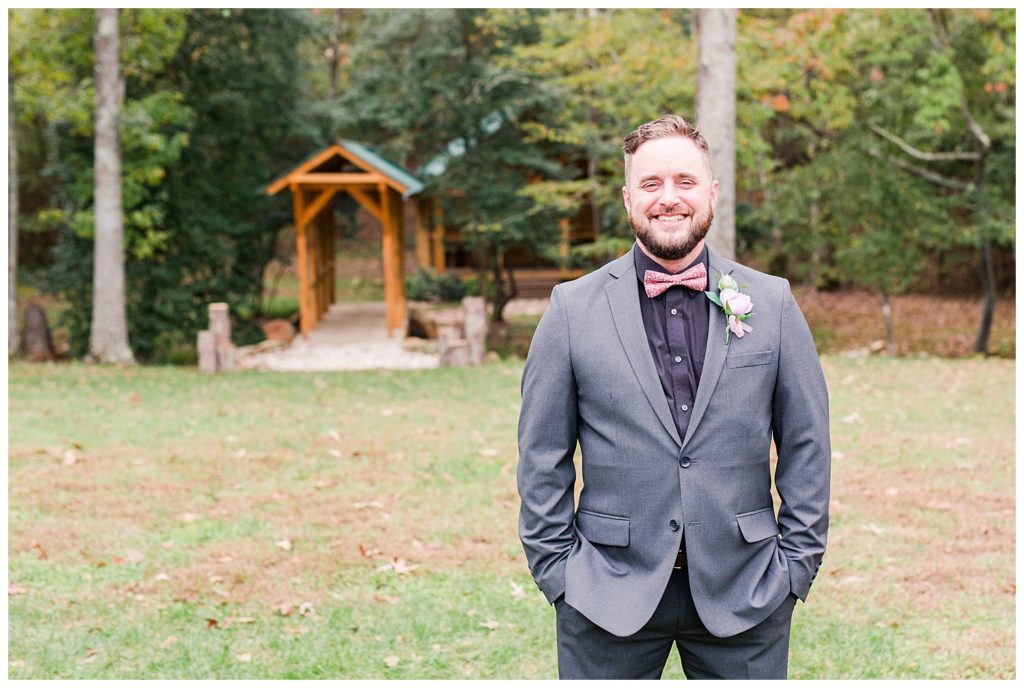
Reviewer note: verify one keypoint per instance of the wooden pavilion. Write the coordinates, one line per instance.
(377, 185)
(381, 188)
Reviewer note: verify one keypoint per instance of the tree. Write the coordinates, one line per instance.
(12, 225)
(108, 342)
(716, 116)
(428, 89)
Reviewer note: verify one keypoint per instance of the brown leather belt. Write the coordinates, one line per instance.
(680, 560)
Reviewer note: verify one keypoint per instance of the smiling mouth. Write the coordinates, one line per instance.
(672, 219)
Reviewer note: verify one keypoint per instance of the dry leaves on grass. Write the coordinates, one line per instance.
(170, 640)
(399, 566)
(490, 624)
(15, 589)
(391, 661)
(517, 591)
(284, 544)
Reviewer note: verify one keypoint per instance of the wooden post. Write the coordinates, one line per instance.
(476, 327)
(394, 287)
(332, 258)
(439, 238)
(453, 349)
(305, 316)
(423, 238)
(220, 327)
(206, 347)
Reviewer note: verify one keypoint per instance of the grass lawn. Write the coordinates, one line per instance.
(165, 524)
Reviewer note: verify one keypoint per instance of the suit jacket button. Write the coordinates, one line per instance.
(685, 462)
(673, 524)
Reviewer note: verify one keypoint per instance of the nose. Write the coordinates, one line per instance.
(669, 195)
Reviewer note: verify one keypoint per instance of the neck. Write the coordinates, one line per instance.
(674, 265)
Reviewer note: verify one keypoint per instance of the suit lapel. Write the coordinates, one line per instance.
(714, 354)
(624, 299)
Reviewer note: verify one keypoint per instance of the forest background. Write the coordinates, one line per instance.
(874, 148)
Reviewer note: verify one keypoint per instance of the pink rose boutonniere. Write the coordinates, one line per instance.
(736, 305)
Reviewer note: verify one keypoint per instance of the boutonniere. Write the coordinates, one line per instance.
(736, 305)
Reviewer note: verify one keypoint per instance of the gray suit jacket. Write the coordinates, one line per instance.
(590, 378)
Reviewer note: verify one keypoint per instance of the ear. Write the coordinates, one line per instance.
(714, 193)
(625, 197)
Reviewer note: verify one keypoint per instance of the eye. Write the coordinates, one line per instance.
(649, 186)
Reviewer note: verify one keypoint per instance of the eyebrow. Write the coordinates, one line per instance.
(655, 177)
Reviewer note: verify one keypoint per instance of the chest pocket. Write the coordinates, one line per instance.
(755, 358)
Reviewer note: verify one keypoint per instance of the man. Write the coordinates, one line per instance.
(674, 399)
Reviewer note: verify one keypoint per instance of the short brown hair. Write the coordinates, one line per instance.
(661, 128)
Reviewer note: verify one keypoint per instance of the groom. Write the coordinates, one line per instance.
(674, 398)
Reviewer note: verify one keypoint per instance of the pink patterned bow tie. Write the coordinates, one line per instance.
(656, 283)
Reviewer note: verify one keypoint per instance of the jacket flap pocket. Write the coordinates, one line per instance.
(603, 530)
(758, 525)
(752, 359)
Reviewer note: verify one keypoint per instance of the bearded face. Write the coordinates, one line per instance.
(673, 238)
(669, 196)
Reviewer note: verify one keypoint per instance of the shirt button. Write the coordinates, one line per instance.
(685, 407)
(673, 525)
(679, 359)
(674, 311)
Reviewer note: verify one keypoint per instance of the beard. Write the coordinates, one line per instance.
(678, 245)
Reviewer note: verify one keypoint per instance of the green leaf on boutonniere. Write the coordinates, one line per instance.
(714, 299)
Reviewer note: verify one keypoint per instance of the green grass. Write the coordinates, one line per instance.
(183, 484)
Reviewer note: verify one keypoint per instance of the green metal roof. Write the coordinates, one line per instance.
(402, 176)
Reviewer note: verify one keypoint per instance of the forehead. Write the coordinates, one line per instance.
(668, 156)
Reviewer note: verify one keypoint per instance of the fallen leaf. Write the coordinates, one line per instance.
(280, 496)
(891, 491)
(167, 545)
(285, 544)
(488, 452)
(492, 624)
(285, 609)
(224, 559)
(133, 556)
(391, 661)
(873, 528)
(321, 484)
(42, 550)
(189, 517)
(390, 599)
(246, 657)
(374, 504)
(400, 566)
(385, 413)
(306, 609)
(70, 457)
(517, 590)
(240, 454)
(135, 398)
(230, 439)
(212, 623)
(336, 453)
(334, 435)
(170, 640)
(19, 663)
(216, 579)
(838, 455)
(15, 589)
(242, 620)
(854, 417)
(435, 647)
(161, 577)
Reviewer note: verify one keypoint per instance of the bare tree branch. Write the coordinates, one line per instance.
(919, 154)
(928, 175)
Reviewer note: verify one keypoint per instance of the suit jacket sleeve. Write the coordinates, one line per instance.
(801, 429)
(547, 443)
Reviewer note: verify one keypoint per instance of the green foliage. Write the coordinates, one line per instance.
(428, 285)
(210, 115)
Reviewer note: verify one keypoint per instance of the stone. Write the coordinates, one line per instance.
(279, 329)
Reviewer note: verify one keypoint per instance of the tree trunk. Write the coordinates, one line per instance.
(716, 116)
(988, 281)
(890, 335)
(108, 341)
(595, 208)
(12, 227)
(988, 273)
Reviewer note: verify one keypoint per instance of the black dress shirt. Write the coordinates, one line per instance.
(677, 331)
